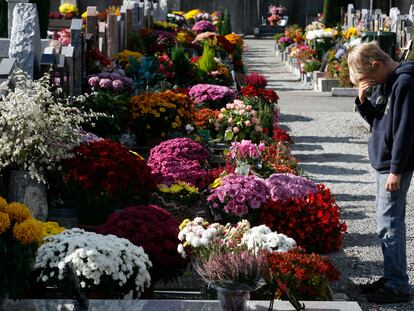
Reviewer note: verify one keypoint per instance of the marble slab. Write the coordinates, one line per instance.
(171, 305)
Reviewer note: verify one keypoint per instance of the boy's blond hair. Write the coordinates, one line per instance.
(361, 57)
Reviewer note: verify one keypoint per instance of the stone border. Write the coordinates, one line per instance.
(344, 92)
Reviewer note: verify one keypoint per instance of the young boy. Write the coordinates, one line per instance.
(390, 113)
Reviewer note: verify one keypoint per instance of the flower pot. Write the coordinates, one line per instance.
(232, 300)
(25, 189)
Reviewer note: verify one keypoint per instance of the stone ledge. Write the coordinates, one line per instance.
(344, 92)
(326, 85)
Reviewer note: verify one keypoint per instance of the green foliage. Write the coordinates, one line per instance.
(182, 64)
(207, 63)
(226, 23)
(266, 116)
(311, 65)
(278, 36)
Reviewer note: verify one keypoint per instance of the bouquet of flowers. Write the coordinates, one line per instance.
(278, 156)
(37, 129)
(201, 239)
(112, 265)
(268, 96)
(350, 33)
(212, 96)
(284, 42)
(161, 112)
(256, 80)
(295, 33)
(111, 81)
(166, 68)
(234, 39)
(239, 195)
(191, 15)
(155, 230)
(320, 39)
(104, 173)
(305, 275)
(238, 121)
(180, 159)
(313, 220)
(203, 26)
(124, 58)
(20, 236)
(68, 10)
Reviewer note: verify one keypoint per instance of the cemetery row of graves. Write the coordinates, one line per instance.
(167, 153)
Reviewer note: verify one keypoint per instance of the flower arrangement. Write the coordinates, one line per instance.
(350, 33)
(124, 57)
(180, 192)
(201, 239)
(203, 26)
(295, 33)
(256, 80)
(180, 159)
(313, 221)
(284, 187)
(112, 265)
(165, 25)
(239, 195)
(279, 157)
(20, 235)
(63, 36)
(284, 42)
(191, 15)
(111, 81)
(68, 9)
(212, 96)
(275, 14)
(268, 96)
(234, 39)
(203, 16)
(104, 173)
(204, 118)
(238, 121)
(37, 129)
(175, 18)
(305, 275)
(155, 230)
(166, 68)
(161, 112)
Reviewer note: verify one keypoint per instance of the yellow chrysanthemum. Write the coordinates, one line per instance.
(18, 212)
(67, 8)
(178, 12)
(28, 232)
(184, 224)
(3, 205)
(50, 228)
(234, 39)
(4, 222)
(191, 14)
(84, 15)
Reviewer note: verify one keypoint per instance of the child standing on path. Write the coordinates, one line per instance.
(390, 113)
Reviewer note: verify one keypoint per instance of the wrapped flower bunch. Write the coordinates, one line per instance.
(238, 121)
(180, 159)
(312, 220)
(112, 265)
(161, 112)
(200, 239)
(114, 81)
(238, 195)
(203, 26)
(155, 230)
(211, 96)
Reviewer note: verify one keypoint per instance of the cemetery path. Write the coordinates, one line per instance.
(331, 144)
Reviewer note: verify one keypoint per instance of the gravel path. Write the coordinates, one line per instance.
(331, 144)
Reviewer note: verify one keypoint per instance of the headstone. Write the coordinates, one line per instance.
(128, 25)
(76, 42)
(68, 52)
(411, 13)
(102, 38)
(134, 7)
(7, 66)
(91, 21)
(10, 8)
(394, 14)
(49, 50)
(74, 2)
(25, 45)
(122, 33)
(349, 14)
(113, 35)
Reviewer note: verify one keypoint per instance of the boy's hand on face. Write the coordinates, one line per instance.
(364, 85)
(393, 182)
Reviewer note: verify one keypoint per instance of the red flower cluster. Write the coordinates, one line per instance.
(166, 67)
(225, 44)
(256, 80)
(304, 275)
(96, 55)
(267, 95)
(109, 170)
(278, 156)
(156, 231)
(313, 221)
(280, 135)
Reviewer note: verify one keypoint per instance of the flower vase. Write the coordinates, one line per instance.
(232, 299)
(25, 189)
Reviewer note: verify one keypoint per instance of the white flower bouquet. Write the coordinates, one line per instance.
(38, 129)
(112, 265)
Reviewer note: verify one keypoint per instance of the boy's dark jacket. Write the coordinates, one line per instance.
(391, 146)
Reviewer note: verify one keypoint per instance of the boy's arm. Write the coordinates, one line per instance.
(403, 126)
(366, 110)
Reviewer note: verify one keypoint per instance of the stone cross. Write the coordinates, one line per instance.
(25, 44)
(76, 41)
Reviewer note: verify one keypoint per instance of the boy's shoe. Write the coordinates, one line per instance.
(371, 288)
(388, 295)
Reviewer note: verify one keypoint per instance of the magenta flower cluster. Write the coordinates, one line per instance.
(246, 150)
(203, 26)
(284, 187)
(237, 194)
(211, 94)
(110, 81)
(180, 159)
